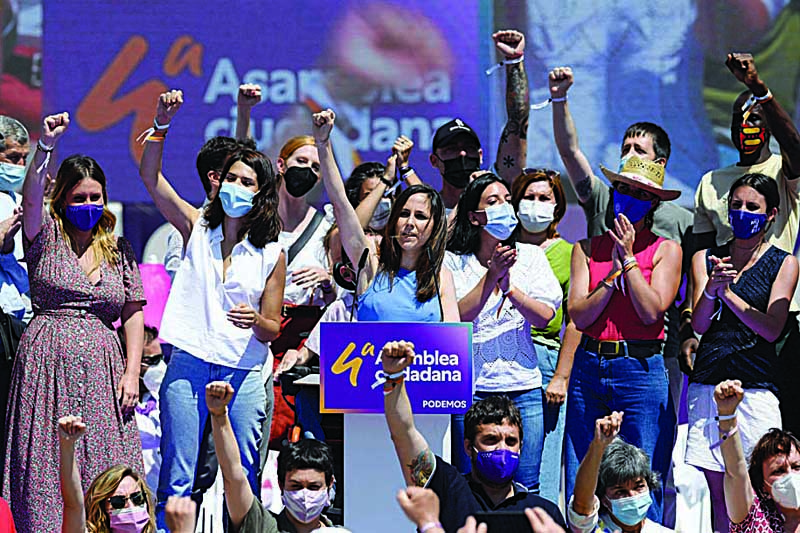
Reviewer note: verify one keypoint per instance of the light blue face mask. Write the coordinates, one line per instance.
(632, 510)
(11, 176)
(236, 201)
(500, 220)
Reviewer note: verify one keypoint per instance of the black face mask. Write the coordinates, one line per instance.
(299, 180)
(458, 170)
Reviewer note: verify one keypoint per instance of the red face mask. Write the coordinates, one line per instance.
(751, 138)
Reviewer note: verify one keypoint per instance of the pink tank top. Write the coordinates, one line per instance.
(619, 320)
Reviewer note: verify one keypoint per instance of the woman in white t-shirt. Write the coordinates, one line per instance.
(224, 306)
(504, 290)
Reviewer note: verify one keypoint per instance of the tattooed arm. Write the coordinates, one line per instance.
(512, 149)
(566, 137)
(415, 456)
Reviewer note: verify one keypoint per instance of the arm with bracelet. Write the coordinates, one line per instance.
(585, 307)
(650, 299)
(175, 209)
(416, 458)
(53, 127)
(738, 490)
(512, 150)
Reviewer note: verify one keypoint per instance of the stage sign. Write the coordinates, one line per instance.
(351, 374)
(386, 67)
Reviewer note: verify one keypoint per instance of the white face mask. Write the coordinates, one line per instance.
(535, 216)
(153, 377)
(786, 490)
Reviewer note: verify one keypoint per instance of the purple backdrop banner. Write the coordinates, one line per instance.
(351, 376)
(387, 67)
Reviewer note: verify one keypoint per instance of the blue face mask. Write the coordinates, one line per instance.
(84, 216)
(746, 224)
(500, 220)
(236, 201)
(11, 176)
(497, 466)
(632, 510)
(633, 208)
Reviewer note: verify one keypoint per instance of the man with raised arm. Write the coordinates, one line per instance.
(305, 477)
(492, 439)
(644, 140)
(456, 149)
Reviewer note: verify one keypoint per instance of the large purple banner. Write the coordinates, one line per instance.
(386, 67)
(351, 376)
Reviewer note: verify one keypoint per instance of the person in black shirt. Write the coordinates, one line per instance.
(492, 439)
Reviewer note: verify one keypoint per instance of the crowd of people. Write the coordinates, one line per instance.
(579, 350)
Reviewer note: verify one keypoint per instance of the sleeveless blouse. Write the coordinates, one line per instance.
(730, 349)
(396, 301)
(619, 320)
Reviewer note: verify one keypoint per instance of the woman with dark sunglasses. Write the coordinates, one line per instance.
(621, 284)
(118, 500)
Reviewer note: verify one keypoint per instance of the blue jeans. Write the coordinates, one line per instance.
(183, 416)
(554, 420)
(638, 386)
(529, 403)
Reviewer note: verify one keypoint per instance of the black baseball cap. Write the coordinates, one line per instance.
(446, 133)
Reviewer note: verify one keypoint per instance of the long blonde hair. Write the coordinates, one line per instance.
(102, 488)
(72, 171)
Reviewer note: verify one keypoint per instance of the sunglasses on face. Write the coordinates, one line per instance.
(136, 498)
(550, 173)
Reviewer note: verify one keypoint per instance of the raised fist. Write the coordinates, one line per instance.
(168, 104)
(510, 43)
(218, 396)
(249, 95)
(323, 124)
(560, 80)
(743, 66)
(396, 356)
(728, 396)
(607, 428)
(402, 147)
(70, 428)
(53, 127)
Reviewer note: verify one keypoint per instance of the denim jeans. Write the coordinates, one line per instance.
(554, 419)
(637, 386)
(529, 403)
(183, 416)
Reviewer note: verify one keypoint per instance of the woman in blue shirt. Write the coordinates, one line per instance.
(404, 279)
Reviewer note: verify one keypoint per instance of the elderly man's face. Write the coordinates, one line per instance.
(15, 153)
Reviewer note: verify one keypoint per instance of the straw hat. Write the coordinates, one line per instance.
(642, 174)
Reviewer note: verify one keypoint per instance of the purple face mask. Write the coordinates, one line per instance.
(84, 216)
(129, 520)
(497, 466)
(306, 505)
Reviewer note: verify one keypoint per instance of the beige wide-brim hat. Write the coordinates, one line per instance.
(642, 174)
